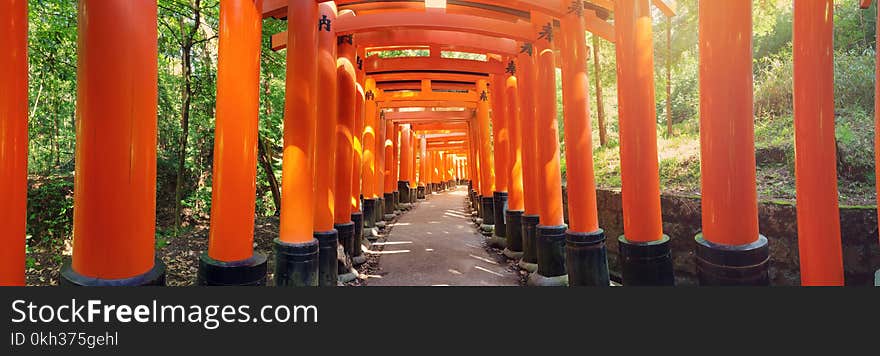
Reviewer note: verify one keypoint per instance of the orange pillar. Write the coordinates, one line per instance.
(390, 182)
(357, 215)
(413, 179)
(405, 163)
(472, 154)
(515, 202)
(371, 129)
(327, 110)
(358, 134)
(550, 236)
(423, 166)
(531, 215)
(346, 77)
(818, 214)
(585, 255)
(380, 159)
(231, 236)
(13, 140)
(114, 216)
(501, 140)
(640, 181)
(500, 133)
(730, 239)
(325, 146)
(487, 171)
(395, 164)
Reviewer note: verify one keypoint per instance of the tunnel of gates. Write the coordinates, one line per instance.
(365, 135)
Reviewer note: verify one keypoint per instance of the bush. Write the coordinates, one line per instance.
(774, 85)
(50, 209)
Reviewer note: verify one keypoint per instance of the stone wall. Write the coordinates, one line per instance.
(778, 222)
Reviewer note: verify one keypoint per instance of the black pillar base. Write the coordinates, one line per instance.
(422, 191)
(646, 263)
(396, 200)
(296, 265)
(514, 248)
(403, 189)
(414, 195)
(724, 265)
(586, 259)
(245, 273)
(369, 213)
(529, 260)
(550, 248)
(487, 211)
(356, 253)
(389, 203)
(380, 210)
(154, 277)
(328, 271)
(499, 203)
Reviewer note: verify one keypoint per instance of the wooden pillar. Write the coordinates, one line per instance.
(346, 78)
(550, 237)
(501, 141)
(730, 240)
(370, 149)
(818, 214)
(356, 209)
(586, 260)
(231, 236)
(327, 112)
(640, 176)
(13, 140)
(115, 182)
(326, 115)
(526, 93)
(487, 166)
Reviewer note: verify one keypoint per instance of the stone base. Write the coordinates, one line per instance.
(387, 217)
(877, 279)
(373, 234)
(359, 260)
(498, 242)
(348, 277)
(530, 267)
(153, 277)
(537, 280)
(513, 255)
(487, 230)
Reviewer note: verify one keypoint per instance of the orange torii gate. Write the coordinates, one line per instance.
(336, 118)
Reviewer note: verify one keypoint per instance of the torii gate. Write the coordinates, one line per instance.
(325, 159)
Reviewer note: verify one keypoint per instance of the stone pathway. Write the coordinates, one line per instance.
(436, 244)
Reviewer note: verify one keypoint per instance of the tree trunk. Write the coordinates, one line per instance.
(266, 162)
(266, 153)
(188, 37)
(600, 106)
(668, 77)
